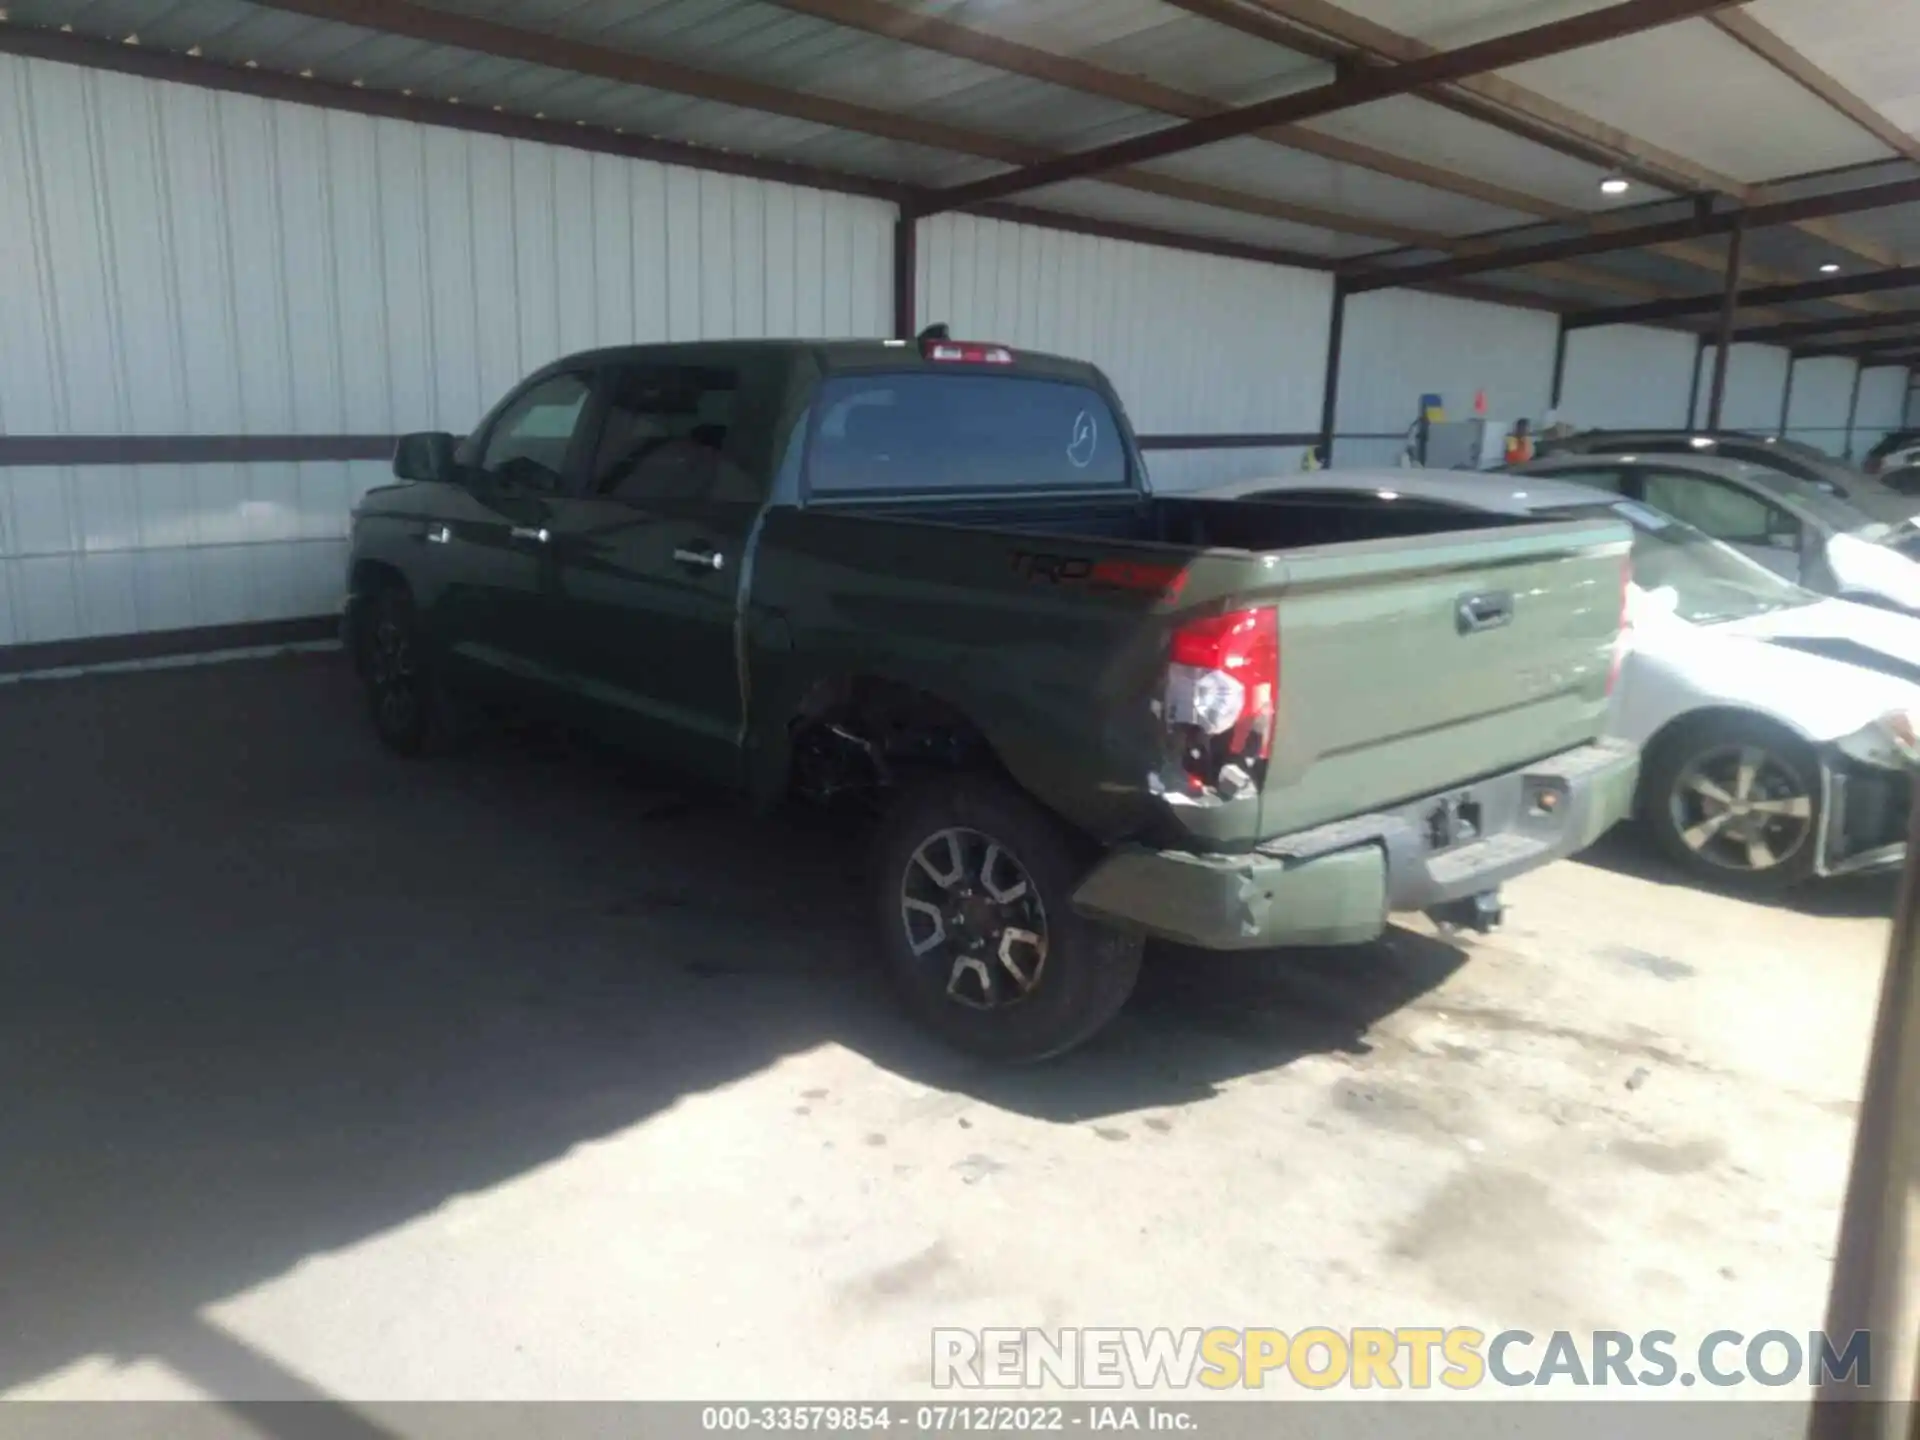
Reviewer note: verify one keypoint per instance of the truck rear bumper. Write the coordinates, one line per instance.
(1336, 884)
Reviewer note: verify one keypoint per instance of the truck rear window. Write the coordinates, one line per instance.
(920, 431)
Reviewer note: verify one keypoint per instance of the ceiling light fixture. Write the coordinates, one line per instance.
(1613, 185)
(1830, 268)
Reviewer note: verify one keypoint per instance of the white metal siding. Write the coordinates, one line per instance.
(1822, 391)
(1756, 383)
(1195, 344)
(1627, 377)
(179, 261)
(1401, 344)
(1883, 406)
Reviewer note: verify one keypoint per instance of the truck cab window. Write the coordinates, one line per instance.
(665, 433)
(529, 442)
(921, 430)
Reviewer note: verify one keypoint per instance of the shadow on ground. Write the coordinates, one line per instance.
(1626, 851)
(269, 991)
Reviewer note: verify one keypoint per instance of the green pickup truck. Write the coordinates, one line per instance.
(933, 574)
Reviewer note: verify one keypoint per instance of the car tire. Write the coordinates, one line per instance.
(413, 711)
(970, 856)
(1691, 798)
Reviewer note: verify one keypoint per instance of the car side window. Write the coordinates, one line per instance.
(528, 443)
(665, 433)
(1721, 510)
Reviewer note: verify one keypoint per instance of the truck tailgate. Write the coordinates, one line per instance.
(1409, 665)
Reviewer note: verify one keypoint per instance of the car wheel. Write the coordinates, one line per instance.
(1736, 801)
(412, 712)
(977, 928)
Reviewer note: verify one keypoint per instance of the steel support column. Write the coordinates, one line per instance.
(1729, 307)
(906, 267)
(1853, 407)
(1559, 365)
(1693, 389)
(1786, 393)
(1330, 397)
(1876, 1272)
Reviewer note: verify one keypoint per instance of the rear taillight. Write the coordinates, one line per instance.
(1624, 636)
(1223, 691)
(966, 352)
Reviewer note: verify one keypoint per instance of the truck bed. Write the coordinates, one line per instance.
(1388, 688)
(1282, 523)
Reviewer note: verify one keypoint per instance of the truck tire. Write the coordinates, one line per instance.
(412, 710)
(1734, 800)
(977, 928)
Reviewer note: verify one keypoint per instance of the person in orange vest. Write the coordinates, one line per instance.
(1520, 443)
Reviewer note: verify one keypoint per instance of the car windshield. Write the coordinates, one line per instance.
(1709, 582)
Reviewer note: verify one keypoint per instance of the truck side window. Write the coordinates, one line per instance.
(528, 443)
(665, 435)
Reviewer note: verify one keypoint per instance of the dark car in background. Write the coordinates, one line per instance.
(1794, 458)
(1875, 462)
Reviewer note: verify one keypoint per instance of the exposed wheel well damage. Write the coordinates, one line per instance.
(856, 735)
(370, 576)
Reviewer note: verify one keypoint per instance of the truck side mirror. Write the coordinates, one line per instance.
(426, 455)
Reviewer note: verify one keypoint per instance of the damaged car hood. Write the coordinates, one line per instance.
(1824, 670)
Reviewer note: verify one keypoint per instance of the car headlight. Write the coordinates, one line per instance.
(1891, 742)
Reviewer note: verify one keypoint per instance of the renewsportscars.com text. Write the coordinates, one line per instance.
(1377, 1358)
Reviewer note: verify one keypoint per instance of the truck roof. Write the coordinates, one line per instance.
(841, 357)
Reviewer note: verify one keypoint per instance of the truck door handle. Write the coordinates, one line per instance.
(537, 534)
(1489, 611)
(700, 558)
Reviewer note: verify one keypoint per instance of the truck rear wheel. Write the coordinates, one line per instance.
(977, 928)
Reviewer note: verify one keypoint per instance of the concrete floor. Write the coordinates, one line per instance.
(517, 1077)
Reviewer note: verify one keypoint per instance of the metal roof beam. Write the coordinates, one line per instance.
(1777, 212)
(151, 63)
(1867, 360)
(1817, 330)
(488, 37)
(970, 42)
(1741, 26)
(1359, 87)
(1900, 277)
(1866, 348)
(982, 46)
(1498, 101)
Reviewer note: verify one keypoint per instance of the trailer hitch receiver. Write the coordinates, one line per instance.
(1481, 913)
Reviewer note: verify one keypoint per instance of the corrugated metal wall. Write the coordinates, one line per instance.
(1627, 376)
(1195, 344)
(1756, 384)
(179, 261)
(1822, 393)
(1883, 406)
(1401, 344)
